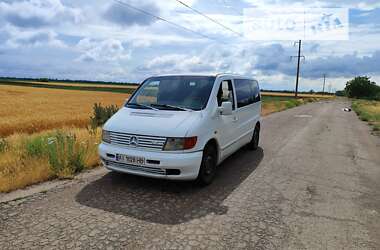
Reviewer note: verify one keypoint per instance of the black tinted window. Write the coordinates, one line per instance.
(247, 92)
(244, 93)
(190, 92)
(256, 91)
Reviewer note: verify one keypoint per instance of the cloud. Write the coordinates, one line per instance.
(110, 50)
(37, 13)
(343, 66)
(175, 63)
(124, 16)
(363, 4)
(27, 39)
(263, 60)
(275, 59)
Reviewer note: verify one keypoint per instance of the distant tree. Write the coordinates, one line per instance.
(362, 87)
(44, 79)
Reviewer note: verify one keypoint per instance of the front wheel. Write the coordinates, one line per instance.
(254, 143)
(208, 167)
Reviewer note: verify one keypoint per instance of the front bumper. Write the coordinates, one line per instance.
(159, 164)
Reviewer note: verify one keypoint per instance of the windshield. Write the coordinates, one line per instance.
(173, 93)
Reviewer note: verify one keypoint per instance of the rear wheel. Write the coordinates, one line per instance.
(208, 167)
(254, 143)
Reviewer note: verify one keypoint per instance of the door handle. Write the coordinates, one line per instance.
(235, 119)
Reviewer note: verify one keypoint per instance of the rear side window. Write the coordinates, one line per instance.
(256, 91)
(247, 92)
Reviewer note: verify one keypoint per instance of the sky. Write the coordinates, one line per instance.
(108, 41)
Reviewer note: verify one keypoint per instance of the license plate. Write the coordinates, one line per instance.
(128, 159)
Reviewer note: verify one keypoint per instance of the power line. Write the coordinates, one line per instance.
(209, 18)
(165, 20)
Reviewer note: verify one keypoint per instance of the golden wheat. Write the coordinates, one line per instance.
(79, 84)
(30, 110)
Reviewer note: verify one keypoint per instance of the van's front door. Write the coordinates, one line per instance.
(227, 124)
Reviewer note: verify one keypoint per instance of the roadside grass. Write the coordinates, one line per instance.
(282, 94)
(273, 104)
(30, 159)
(368, 111)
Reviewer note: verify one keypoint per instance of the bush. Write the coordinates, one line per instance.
(3, 145)
(65, 154)
(101, 114)
(37, 146)
(362, 87)
(377, 97)
(340, 93)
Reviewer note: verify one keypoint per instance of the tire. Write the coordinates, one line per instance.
(208, 167)
(254, 143)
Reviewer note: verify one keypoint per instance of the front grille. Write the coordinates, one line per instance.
(136, 168)
(137, 141)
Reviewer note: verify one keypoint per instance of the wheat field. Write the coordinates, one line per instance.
(99, 85)
(30, 110)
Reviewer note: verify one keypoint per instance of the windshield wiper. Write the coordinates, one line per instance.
(142, 105)
(171, 107)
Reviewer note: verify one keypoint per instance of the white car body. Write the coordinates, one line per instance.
(229, 132)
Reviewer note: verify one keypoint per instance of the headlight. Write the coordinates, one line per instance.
(106, 136)
(173, 144)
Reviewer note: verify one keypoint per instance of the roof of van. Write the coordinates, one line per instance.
(207, 75)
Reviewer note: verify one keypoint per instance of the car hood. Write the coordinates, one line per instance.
(152, 122)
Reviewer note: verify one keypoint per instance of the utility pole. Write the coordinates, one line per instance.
(298, 65)
(324, 83)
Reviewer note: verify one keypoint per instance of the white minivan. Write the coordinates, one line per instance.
(182, 127)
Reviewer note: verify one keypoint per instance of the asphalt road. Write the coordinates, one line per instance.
(313, 184)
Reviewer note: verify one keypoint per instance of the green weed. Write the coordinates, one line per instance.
(66, 156)
(101, 114)
(37, 146)
(3, 145)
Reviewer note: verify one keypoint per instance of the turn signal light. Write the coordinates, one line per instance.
(173, 144)
(189, 142)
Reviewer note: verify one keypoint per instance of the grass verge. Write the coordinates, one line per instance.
(273, 104)
(29, 159)
(368, 111)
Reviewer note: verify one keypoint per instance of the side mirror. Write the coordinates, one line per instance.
(226, 108)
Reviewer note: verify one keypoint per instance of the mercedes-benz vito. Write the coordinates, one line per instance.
(181, 127)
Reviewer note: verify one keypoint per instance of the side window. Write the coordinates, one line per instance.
(225, 93)
(256, 91)
(244, 92)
